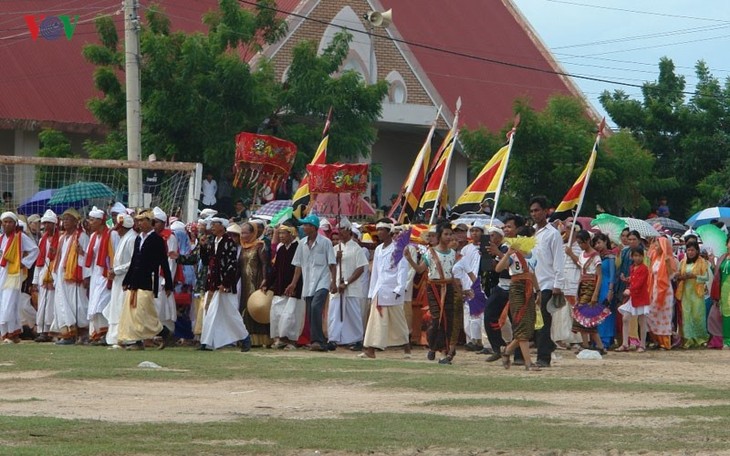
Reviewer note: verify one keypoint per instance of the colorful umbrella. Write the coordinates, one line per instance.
(610, 225)
(705, 216)
(80, 191)
(270, 209)
(668, 224)
(713, 239)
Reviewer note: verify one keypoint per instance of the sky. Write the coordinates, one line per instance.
(623, 40)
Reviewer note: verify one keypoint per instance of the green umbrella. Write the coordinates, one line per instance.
(81, 191)
(282, 215)
(713, 239)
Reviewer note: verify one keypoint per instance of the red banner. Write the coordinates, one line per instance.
(267, 154)
(338, 178)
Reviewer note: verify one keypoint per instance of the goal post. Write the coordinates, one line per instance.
(173, 186)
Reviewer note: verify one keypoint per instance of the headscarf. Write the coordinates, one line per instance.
(662, 252)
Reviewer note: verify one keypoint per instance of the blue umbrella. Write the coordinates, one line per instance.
(38, 203)
(705, 216)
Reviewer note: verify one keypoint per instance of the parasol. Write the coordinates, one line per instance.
(610, 225)
(668, 224)
(337, 189)
(38, 203)
(270, 209)
(642, 226)
(477, 219)
(262, 161)
(80, 191)
(713, 239)
(705, 216)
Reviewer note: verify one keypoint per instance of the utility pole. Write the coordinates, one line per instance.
(134, 121)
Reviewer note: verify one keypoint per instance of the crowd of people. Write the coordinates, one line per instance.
(131, 280)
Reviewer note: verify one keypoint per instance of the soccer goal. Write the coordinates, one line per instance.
(28, 184)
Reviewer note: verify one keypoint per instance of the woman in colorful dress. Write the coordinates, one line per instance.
(589, 311)
(692, 278)
(522, 301)
(607, 328)
(662, 269)
(722, 275)
(253, 261)
(446, 315)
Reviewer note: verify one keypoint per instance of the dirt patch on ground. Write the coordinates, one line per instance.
(178, 401)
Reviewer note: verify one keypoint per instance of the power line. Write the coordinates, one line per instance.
(650, 13)
(452, 52)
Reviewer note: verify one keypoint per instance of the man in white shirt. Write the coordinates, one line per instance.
(315, 264)
(210, 188)
(550, 261)
(345, 325)
(122, 260)
(387, 325)
(42, 278)
(165, 304)
(466, 269)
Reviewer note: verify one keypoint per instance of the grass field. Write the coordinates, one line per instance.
(57, 401)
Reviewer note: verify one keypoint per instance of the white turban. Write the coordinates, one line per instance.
(345, 224)
(495, 229)
(9, 215)
(220, 220)
(118, 208)
(159, 214)
(49, 216)
(177, 225)
(207, 212)
(126, 220)
(96, 213)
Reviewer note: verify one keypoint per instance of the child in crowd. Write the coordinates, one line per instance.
(638, 302)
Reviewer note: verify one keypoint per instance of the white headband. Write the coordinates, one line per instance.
(387, 226)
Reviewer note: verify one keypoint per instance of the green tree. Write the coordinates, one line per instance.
(53, 144)
(198, 92)
(550, 150)
(689, 138)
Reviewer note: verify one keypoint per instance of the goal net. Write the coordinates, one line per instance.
(29, 185)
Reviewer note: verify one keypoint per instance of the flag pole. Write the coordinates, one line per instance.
(589, 171)
(417, 165)
(445, 178)
(511, 136)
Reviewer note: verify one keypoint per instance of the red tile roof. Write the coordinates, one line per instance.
(485, 28)
(49, 82)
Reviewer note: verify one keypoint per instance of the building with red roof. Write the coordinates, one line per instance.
(432, 53)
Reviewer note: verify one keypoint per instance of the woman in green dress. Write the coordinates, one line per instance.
(694, 274)
(723, 275)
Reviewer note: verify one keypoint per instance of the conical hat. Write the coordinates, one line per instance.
(259, 306)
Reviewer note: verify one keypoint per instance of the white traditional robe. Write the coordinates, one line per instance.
(10, 326)
(344, 322)
(469, 262)
(122, 259)
(43, 279)
(71, 303)
(387, 323)
(99, 294)
(166, 308)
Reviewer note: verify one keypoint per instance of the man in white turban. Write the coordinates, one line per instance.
(98, 262)
(43, 278)
(71, 302)
(166, 309)
(120, 265)
(18, 253)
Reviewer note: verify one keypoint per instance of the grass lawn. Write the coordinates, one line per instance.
(531, 429)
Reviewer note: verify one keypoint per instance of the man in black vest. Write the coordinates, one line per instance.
(139, 319)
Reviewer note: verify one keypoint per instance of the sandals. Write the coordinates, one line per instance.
(506, 360)
(532, 368)
(640, 350)
(622, 348)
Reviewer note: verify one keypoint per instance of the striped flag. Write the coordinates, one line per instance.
(485, 185)
(573, 200)
(413, 187)
(435, 187)
(301, 197)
